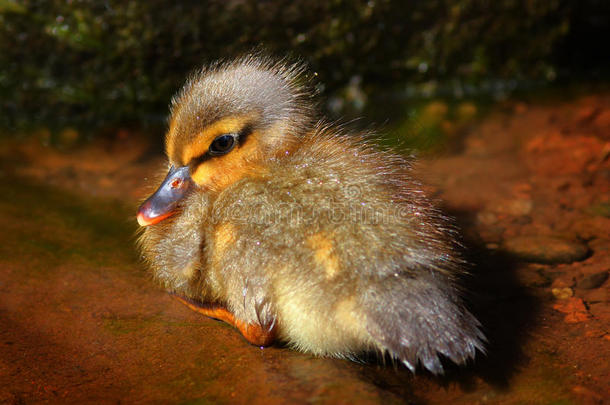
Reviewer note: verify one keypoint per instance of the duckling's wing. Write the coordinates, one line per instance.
(416, 318)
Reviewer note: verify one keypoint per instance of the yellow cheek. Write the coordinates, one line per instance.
(220, 172)
(203, 175)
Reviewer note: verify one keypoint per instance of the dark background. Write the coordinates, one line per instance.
(93, 65)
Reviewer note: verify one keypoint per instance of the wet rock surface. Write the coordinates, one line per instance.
(546, 249)
(592, 281)
(81, 321)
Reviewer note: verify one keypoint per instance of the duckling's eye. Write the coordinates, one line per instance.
(222, 144)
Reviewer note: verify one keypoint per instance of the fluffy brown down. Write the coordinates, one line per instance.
(306, 228)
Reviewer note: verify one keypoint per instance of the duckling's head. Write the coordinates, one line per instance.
(226, 122)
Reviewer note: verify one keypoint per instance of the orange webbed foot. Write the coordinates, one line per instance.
(254, 333)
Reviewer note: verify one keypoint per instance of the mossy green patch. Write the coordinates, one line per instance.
(425, 125)
(544, 385)
(601, 209)
(125, 324)
(204, 377)
(122, 326)
(49, 226)
(203, 401)
(10, 6)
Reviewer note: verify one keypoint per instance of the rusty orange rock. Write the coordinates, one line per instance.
(574, 308)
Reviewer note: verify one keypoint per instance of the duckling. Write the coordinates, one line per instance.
(292, 230)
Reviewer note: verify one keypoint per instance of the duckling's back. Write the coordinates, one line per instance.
(335, 245)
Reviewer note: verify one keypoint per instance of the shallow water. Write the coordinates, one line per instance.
(81, 321)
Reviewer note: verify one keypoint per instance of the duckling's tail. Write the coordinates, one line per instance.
(416, 319)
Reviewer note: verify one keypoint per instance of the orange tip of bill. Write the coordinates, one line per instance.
(143, 220)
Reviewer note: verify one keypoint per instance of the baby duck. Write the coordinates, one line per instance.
(291, 230)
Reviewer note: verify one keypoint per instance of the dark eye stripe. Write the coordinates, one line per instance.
(222, 144)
